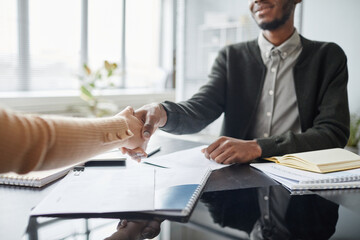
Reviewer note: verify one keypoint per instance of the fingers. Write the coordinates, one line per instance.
(136, 229)
(122, 224)
(218, 151)
(151, 230)
(136, 154)
(126, 111)
(130, 110)
(209, 151)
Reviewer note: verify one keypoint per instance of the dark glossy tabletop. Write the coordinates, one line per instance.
(266, 210)
(238, 202)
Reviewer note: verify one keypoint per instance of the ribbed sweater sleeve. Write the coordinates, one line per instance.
(32, 142)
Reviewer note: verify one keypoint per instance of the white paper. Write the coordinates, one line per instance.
(303, 177)
(180, 176)
(190, 158)
(99, 190)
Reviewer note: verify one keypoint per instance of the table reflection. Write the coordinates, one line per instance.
(108, 229)
(272, 213)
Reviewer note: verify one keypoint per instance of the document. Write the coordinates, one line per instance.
(125, 193)
(190, 158)
(99, 191)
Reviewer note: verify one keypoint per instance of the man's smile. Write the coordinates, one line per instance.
(260, 9)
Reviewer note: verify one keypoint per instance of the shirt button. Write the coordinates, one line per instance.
(266, 216)
(266, 198)
(273, 69)
(284, 54)
(266, 135)
(271, 92)
(268, 114)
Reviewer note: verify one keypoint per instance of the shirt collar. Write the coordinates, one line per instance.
(285, 48)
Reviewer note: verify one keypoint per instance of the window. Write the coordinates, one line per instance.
(44, 43)
(105, 31)
(54, 45)
(8, 46)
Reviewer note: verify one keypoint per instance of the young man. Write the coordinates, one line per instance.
(280, 93)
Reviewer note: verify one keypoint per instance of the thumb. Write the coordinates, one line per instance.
(149, 125)
(148, 130)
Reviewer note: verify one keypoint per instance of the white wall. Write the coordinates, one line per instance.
(337, 21)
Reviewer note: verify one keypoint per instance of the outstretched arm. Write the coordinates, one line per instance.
(34, 142)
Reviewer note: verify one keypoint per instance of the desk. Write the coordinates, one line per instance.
(238, 201)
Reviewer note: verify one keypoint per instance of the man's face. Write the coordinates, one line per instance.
(271, 14)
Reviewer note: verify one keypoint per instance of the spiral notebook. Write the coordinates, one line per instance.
(296, 179)
(33, 179)
(125, 193)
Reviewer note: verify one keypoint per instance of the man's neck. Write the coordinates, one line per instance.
(281, 34)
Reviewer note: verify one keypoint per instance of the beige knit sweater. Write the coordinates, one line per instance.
(32, 142)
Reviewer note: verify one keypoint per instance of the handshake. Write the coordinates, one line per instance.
(142, 123)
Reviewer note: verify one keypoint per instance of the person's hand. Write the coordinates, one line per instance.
(136, 142)
(139, 229)
(152, 116)
(227, 150)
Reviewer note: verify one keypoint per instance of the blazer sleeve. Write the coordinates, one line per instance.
(202, 108)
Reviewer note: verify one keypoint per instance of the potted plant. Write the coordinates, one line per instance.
(354, 138)
(91, 85)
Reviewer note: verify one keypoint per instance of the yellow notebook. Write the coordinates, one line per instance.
(321, 161)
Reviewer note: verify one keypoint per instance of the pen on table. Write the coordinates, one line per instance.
(152, 152)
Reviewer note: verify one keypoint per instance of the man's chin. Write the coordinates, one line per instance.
(270, 25)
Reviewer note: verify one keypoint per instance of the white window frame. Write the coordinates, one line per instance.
(58, 102)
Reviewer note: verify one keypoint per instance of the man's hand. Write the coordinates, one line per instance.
(152, 117)
(141, 229)
(227, 150)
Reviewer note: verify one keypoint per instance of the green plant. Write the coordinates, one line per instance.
(91, 85)
(354, 131)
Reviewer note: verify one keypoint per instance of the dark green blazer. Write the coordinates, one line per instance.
(235, 87)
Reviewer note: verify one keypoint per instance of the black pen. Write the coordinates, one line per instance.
(152, 152)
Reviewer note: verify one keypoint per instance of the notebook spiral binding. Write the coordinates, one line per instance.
(196, 194)
(334, 180)
(18, 180)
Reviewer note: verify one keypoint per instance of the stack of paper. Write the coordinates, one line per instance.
(295, 179)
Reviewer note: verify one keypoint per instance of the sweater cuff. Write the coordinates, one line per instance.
(114, 130)
(268, 147)
(172, 120)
